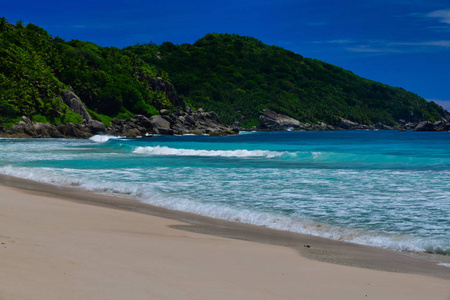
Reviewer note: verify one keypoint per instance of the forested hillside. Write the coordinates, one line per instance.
(239, 76)
(36, 68)
(235, 76)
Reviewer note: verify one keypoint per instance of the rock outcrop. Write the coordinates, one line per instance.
(75, 104)
(179, 122)
(443, 125)
(270, 120)
(29, 129)
(347, 124)
(273, 121)
(159, 85)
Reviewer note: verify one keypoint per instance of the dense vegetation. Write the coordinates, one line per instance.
(235, 76)
(239, 76)
(35, 68)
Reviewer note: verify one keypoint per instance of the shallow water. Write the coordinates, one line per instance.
(382, 188)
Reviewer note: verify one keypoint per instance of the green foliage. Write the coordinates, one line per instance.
(39, 118)
(71, 117)
(238, 77)
(124, 114)
(9, 122)
(35, 68)
(235, 76)
(106, 120)
(250, 124)
(27, 85)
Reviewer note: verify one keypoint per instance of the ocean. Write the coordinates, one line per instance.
(387, 189)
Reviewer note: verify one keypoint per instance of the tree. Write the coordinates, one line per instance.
(4, 25)
(19, 24)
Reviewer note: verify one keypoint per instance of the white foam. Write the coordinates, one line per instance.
(163, 150)
(281, 222)
(153, 193)
(444, 265)
(45, 175)
(101, 138)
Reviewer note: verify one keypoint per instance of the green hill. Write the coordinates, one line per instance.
(239, 76)
(36, 68)
(235, 76)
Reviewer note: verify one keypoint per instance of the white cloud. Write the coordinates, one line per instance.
(385, 47)
(442, 15)
(369, 49)
(442, 43)
(341, 41)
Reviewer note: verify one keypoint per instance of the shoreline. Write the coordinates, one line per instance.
(320, 249)
(66, 243)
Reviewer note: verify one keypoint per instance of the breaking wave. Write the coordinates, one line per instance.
(104, 138)
(163, 150)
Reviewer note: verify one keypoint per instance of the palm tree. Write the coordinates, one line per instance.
(19, 24)
(3, 24)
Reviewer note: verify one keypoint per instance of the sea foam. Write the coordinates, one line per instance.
(154, 194)
(164, 150)
(103, 138)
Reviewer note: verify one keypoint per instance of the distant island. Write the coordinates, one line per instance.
(50, 87)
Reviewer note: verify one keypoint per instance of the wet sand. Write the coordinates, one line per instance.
(64, 243)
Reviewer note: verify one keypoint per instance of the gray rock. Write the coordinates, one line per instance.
(116, 121)
(425, 126)
(442, 125)
(26, 119)
(188, 110)
(270, 120)
(131, 132)
(97, 127)
(177, 112)
(347, 124)
(144, 121)
(164, 131)
(188, 120)
(160, 125)
(56, 134)
(75, 104)
(321, 126)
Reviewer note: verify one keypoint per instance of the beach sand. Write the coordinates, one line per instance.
(59, 243)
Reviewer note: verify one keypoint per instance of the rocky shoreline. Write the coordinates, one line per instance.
(272, 121)
(177, 122)
(188, 122)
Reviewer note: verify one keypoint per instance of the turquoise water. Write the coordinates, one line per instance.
(382, 188)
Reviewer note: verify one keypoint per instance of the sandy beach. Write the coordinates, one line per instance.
(66, 244)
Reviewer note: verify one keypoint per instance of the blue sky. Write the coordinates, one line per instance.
(404, 43)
